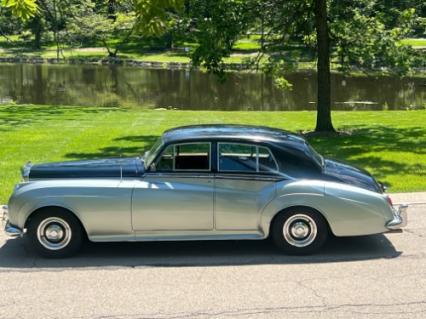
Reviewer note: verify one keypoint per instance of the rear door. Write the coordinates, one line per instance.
(244, 184)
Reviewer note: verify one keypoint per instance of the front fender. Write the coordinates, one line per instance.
(102, 206)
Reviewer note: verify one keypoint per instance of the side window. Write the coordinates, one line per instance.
(266, 160)
(235, 157)
(185, 157)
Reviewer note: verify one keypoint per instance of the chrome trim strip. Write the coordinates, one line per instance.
(180, 174)
(10, 230)
(13, 231)
(251, 177)
(399, 218)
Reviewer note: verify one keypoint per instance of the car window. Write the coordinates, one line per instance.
(266, 160)
(237, 157)
(234, 157)
(185, 157)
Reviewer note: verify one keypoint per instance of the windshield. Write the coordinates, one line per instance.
(150, 155)
(318, 158)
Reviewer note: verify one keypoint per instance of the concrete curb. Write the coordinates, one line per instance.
(414, 198)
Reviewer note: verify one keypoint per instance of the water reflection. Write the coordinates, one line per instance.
(182, 89)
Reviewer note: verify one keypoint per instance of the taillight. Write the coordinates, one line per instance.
(389, 200)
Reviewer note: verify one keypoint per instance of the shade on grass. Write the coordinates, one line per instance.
(390, 144)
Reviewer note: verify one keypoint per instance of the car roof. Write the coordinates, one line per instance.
(249, 133)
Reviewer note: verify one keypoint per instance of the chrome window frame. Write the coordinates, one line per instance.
(151, 158)
(257, 146)
(174, 156)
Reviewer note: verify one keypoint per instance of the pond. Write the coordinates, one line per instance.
(194, 90)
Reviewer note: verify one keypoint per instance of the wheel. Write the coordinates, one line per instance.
(299, 231)
(55, 233)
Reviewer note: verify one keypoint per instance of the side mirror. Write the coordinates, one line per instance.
(152, 167)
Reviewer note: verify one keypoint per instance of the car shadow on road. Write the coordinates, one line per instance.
(16, 253)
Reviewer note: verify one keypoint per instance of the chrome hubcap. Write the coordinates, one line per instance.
(300, 230)
(54, 233)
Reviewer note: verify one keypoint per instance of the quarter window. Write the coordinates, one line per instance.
(185, 157)
(235, 157)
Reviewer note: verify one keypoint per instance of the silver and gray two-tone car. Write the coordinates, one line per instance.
(206, 182)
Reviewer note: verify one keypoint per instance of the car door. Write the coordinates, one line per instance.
(244, 184)
(178, 195)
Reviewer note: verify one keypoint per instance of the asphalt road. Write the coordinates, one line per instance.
(381, 276)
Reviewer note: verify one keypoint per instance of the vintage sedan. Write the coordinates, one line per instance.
(205, 182)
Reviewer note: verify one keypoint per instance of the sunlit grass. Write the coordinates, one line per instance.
(391, 144)
(415, 42)
(251, 43)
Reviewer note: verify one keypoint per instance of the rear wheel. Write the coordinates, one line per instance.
(299, 231)
(55, 233)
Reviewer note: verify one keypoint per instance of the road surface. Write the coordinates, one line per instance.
(381, 276)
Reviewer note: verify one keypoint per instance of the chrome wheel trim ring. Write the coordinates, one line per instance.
(300, 230)
(54, 233)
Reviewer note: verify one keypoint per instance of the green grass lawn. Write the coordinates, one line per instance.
(244, 50)
(132, 50)
(390, 144)
(415, 42)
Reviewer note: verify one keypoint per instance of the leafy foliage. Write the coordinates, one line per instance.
(154, 17)
(216, 26)
(363, 38)
(100, 26)
(24, 9)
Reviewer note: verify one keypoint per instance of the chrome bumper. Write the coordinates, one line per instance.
(9, 229)
(399, 219)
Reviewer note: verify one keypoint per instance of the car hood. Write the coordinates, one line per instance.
(99, 168)
(351, 175)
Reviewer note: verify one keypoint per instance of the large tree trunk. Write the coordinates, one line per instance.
(37, 29)
(111, 10)
(324, 123)
(37, 39)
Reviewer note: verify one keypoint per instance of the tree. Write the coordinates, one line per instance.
(24, 9)
(47, 15)
(216, 26)
(110, 23)
(100, 20)
(362, 33)
(9, 24)
(324, 122)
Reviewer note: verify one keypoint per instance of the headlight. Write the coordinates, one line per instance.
(25, 171)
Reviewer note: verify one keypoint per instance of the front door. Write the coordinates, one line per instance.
(179, 194)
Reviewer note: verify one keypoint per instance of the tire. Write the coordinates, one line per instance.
(299, 231)
(55, 233)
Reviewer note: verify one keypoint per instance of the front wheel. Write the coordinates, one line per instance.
(55, 233)
(299, 231)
